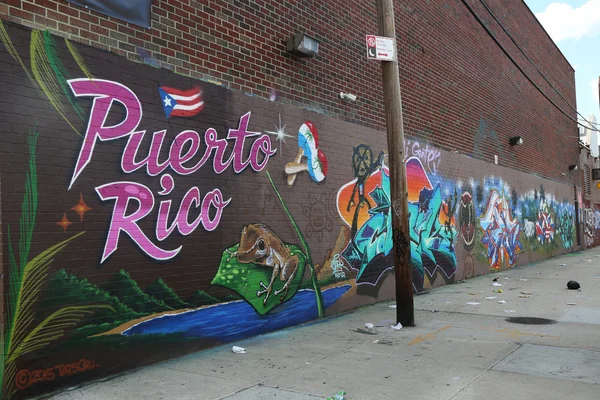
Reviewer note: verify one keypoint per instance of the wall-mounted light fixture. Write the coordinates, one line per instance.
(302, 45)
(348, 97)
(573, 167)
(516, 140)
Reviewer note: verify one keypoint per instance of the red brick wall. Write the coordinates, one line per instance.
(460, 92)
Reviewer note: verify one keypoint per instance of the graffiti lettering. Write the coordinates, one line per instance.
(429, 156)
(501, 233)
(25, 378)
(183, 149)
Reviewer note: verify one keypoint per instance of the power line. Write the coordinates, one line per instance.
(490, 33)
(531, 62)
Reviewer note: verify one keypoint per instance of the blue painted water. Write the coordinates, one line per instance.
(237, 320)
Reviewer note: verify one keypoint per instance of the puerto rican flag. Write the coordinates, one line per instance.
(181, 103)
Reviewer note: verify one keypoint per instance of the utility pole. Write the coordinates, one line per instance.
(405, 312)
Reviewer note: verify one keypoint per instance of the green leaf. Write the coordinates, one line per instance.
(245, 279)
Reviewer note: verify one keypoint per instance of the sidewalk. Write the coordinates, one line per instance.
(461, 352)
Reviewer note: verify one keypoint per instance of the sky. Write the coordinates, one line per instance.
(574, 25)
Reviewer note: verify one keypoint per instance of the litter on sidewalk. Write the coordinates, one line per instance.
(496, 284)
(369, 325)
(338, 396)
(396, 327)
(238, 350)
(501, 301)
(573, 285)
(473, 303)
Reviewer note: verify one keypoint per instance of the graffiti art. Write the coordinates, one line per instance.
(566, 227)
(501, 233)
(432, 225)
(318, 213)
(308, 146)
(370, 246)
(544, 227)
(467, 220)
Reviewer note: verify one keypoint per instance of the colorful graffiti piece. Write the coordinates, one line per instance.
(316, 161)
(364, 205)
(566, 226)
(544, 227)
(467, 220)
(432, 225)
(501, 233)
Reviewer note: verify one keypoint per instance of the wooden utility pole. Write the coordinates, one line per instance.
(405, 312)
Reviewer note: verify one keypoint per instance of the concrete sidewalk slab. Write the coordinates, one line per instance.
(555, 362)
(157, 383)
(499, 385)
(262, 392)
(375, 377)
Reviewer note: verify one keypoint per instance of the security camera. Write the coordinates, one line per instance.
(348, 97)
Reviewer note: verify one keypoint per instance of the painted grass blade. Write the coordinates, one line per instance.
(79, 59)
(13, 52)
(313, 274)
(53, 328)
(60, 72)
(34, 274)
(44, 75)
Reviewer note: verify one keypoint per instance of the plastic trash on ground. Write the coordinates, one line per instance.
(491, 297)
(238, 350)
(496, 284)
(396, 327)
(473, 303)
(338, 396)
(501, 301)
(509, 311)
(498, 291)
(369, 325)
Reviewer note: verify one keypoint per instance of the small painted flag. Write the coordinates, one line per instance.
(181, 103)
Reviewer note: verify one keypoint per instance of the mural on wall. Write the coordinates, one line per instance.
(432, 225)
(262, 270)
(308, 146)
(467, 220)
(318, 213)
(151, 188)
(501, 237)
(364, 205)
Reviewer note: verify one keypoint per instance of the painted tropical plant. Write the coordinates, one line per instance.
(26, 277)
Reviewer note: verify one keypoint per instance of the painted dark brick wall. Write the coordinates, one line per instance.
(453, 76)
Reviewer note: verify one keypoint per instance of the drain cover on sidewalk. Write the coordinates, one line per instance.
(530, 321)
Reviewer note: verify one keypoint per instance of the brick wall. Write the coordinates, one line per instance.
(460, 91)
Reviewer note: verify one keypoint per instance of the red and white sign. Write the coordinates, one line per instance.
(381, 48)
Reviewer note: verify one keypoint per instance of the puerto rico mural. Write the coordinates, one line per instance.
(149, 215)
